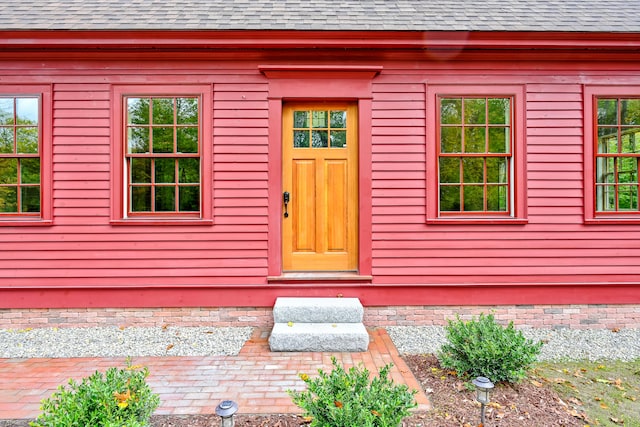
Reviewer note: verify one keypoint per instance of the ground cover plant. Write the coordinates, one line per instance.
(119, 397)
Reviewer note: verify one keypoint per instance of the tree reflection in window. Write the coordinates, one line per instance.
(19, 155)
(163, 154)
(320, 129)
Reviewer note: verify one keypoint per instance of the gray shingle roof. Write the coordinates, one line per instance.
(401, 15)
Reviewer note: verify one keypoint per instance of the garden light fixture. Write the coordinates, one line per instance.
(483, 386)
(226, 409)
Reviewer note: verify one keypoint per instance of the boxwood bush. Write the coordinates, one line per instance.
(482, 347)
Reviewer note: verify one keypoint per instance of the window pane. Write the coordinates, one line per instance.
(162, 139)
(473, 170)
(451, 140)
(8, 199)
(27, 111)
(450, 198)
(140, 199)
(165, 170)
(165, 199)
(319, 138)
(27, 140)
(475, 111)
(605, 170)
(141, 171)
(138, 111)
(497, 198)
(631, 140)
(607, 140)
(499, 140)
(162, 111)
(300, 119)
(474, 140)
(496, 170)
(338, 119)
(628, 197)
(449, 169)
(451, 111)
(189, 199)
(630, 111)
(30, 199)
(138, 140)
(473, 198)
(187, 111)
(189, 170)
(6, 140)
(319, 119)
(338, 138)
(30, 171)
(6, 111)
(499, 111)
(607, 112)
(300, 139)
(8, 171)
(187, 140)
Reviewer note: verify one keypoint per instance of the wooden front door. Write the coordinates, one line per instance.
(320, 173)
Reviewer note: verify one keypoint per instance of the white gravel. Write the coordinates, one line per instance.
(117, 342)
(573, 344)
(559, 344)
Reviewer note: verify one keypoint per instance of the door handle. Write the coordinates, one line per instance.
(286, 197)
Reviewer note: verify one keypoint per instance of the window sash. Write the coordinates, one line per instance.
(20, 156)
(162, 161)
(475, 142)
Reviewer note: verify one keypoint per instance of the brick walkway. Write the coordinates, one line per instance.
(256, 379)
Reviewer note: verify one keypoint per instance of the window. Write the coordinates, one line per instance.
(618, 133)
(164, 156)
(24, 170)
(612, 153)
(476, 149)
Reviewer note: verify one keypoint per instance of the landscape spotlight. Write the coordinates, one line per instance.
(483, 386)
(226, 409)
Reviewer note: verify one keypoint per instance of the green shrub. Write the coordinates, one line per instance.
(349, 398)
(119, 398)
(482, 347)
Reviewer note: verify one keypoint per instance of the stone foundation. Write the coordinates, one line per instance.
(579, 316)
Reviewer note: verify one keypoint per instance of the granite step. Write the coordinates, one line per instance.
(321, 337)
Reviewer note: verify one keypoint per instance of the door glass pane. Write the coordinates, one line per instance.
(338, 119)
(319, 119)
(300, 119)
(319, 138)
(338, 138)
(301, 139)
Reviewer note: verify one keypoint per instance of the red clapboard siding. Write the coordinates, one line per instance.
(83, 248)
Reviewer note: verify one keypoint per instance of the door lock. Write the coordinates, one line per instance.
(286, 197)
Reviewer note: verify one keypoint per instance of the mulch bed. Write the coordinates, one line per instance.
(528, 404)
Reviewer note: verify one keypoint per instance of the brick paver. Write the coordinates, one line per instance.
(256, 379)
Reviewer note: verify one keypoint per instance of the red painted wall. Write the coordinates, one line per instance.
(82, 258)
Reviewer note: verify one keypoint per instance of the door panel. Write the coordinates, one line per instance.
(320, 171)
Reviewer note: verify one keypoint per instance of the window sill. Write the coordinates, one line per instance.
(613, 220)
(475, 220)
(161, 221)
(26, 222)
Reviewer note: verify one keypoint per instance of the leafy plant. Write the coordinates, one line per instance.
(350, 398)
(120, 397)
(483, 347)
